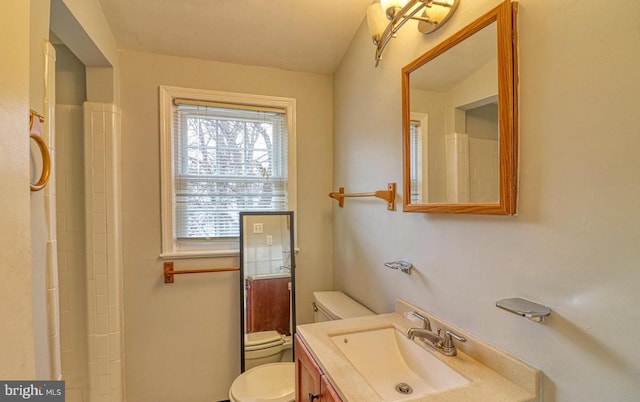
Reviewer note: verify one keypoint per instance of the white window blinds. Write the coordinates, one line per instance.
(227, 158)
(415, 159)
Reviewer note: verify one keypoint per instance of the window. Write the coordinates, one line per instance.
(222, 153)
(416, 161)
(226, 160)
(418, 134)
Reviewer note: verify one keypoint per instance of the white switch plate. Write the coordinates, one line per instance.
(258, 228)
(269, 240)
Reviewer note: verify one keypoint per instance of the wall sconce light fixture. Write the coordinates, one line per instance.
(386, 17)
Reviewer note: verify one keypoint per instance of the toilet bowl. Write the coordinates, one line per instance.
(268, 377)
(273, 382)
(270, 372)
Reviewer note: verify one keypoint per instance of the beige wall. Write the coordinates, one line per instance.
(574, 244)
(24, 27)
(71, 88)
(182, 339)
(94, 25)
(17, 346)
(39, 33)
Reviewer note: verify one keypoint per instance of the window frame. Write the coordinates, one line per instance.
(172, 248)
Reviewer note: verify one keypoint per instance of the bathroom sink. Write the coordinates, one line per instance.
(394, 366)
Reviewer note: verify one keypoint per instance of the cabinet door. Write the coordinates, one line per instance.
(267, 306)
(308, 374)
(311, 384)
(327, 392)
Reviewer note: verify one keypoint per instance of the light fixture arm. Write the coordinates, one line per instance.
(399, 19)
(400, 16)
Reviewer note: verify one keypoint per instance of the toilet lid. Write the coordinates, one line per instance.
(262, 340)
(338, 305)
(274, 382)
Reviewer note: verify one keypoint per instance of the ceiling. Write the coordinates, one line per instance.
(298, 35)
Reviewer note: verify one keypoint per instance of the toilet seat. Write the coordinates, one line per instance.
(262, 340)
(274, 382)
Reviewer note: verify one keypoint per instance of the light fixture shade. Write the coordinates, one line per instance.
(437, 13)
(386, 4)
(376, 20)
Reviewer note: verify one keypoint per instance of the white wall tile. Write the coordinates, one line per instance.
(102, 307)
(70, 222)
(73, 394)
(100, 263)
(100, 243)
(104, 250)
(104, 385)
(98, 182)
(114, 320)
(115, 347)
(99, 203)
(98, 142)
(102, 324)
(116, 380)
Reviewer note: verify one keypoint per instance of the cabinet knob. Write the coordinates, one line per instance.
(313, 397)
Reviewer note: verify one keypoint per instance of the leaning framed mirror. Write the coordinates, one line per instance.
(267, 287)
(460, 131)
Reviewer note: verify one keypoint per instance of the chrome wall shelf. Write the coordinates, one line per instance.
(525, 308)
(403, 266)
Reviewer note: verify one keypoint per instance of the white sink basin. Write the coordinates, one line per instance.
(387, 360)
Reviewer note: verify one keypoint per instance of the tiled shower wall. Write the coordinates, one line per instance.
(484, 170)
(71, 250)
(89, 251)
(103, 252)
(51, 211)
(261, 258)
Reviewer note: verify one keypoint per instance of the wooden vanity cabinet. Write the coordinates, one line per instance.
(267, 305)
(311, 383)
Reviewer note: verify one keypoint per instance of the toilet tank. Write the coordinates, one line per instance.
(333, 305)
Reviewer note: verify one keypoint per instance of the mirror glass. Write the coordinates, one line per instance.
(458, 122)
(267, 287)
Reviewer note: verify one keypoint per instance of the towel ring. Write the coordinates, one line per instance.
(46, 164)
(46, 157)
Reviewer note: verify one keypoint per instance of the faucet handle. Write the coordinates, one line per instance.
(448, 341)
(426, 324)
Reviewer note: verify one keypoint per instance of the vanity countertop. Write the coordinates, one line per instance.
(494, 375)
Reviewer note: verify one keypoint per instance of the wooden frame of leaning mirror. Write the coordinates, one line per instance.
(504, 18)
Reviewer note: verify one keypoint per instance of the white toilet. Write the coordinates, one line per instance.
(329, 306)
(266, 347)
(268, 377)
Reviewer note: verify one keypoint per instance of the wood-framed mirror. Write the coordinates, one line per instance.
(267, 288)
(460, 123)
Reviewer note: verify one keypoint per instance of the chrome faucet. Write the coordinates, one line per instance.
(285, 268)
(426, 324)
(443, 344)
